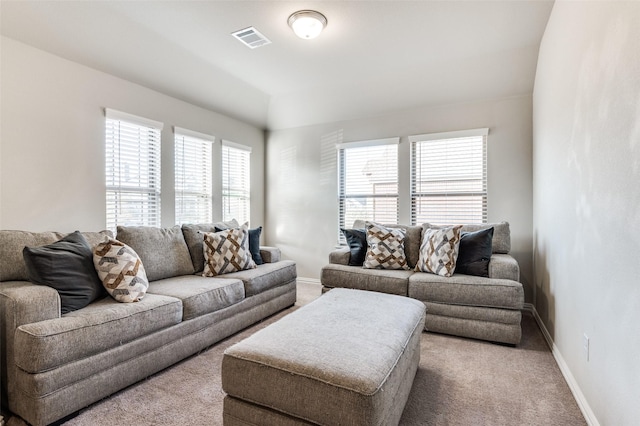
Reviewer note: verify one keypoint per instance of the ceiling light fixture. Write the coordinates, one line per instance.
(307, 24)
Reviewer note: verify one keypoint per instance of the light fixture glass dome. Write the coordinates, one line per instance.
(307, 24)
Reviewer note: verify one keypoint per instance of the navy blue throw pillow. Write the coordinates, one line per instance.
(475, 252)
(357, 240)
(67, 266)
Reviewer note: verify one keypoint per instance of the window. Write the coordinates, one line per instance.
(193, 176)
(449, 177)
(235, 182)
(368, 181)
(132, 170)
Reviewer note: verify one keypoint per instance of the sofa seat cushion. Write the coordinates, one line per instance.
(200, 295)
(381, 280)
(466, 290)
(102, 325)
(265, 276)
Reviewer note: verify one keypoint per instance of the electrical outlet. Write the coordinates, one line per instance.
(585, 346)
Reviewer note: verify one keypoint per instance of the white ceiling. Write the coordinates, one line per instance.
(374, 57)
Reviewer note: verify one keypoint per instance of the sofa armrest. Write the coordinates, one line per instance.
(270, 254)
(504, 266)
(21, 302)
(340, 256)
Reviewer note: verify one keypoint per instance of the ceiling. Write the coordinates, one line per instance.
(374, 57)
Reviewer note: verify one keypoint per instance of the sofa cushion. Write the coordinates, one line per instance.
(439, 250)
(475, 253)
(12, 266)
(120, 270)
(227, 251)
(466, 290)
(67, 266)
(385, 247)
(357, 241)
(102, 325)
(382, 280)
(194, 239)
(501, 242)
(163, 251)
(199, 295)
(265, 276)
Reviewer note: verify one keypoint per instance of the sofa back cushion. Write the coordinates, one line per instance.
(12, 265)
(195, 239)
(163, 251)
(501, 242)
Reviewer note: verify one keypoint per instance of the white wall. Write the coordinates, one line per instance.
(52, 141)
(302, 207)
(587, 200)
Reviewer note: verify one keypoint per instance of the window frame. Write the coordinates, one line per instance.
(242, 193)
(457, 136)
(344, 196)
(120, 129)
(199, 147)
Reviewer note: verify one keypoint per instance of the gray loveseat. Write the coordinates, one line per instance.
(462, 305)
(53, 365)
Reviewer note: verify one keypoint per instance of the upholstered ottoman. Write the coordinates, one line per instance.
(348, 358)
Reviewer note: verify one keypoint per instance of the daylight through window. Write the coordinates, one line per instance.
(132, 170)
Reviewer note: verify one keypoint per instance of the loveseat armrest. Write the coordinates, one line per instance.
(21, 302)
(340, 256)
(504, 266)
(270, 254)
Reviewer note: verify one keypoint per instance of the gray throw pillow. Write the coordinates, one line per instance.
(475, 253)
(67, 266)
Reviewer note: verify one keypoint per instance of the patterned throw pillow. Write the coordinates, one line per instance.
(385, 247)
(227, 251)
(120, 271)
(439, 250)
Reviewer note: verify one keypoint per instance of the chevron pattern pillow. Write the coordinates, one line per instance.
(439, 250)
(385, 247)
(120, 271)
(227, 251)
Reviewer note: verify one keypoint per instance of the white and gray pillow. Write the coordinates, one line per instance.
(385, 247)
(121, 271)
(227, 251)
(439, 250)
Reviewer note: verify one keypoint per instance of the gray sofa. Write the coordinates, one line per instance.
(53, 365)
(462, 305)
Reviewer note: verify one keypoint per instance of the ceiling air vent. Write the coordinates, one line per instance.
(251, 37)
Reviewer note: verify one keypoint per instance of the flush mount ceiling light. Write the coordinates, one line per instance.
(307, 24)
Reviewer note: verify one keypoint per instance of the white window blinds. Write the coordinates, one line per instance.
(132, 170)
(193, 176)
(449, 177)
(368, 181)
(236, 189)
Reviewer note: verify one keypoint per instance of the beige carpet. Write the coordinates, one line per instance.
(459, 382)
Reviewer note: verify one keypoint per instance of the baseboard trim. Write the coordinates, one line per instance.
(583, 404)
(304, 280)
